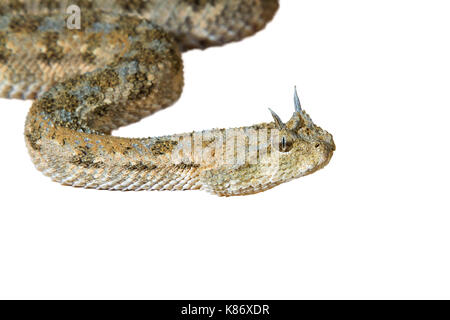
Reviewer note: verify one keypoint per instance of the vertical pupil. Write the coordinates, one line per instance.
(283, 142)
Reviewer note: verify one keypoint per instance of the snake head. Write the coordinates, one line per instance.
(285, 151)
(302, 147)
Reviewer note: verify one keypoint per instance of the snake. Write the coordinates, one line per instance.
(123, 63)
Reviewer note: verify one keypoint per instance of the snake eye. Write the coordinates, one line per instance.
(285, 144)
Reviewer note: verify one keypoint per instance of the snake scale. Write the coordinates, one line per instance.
(124, 63)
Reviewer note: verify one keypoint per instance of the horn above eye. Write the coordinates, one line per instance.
(298, 106)
(277, 119)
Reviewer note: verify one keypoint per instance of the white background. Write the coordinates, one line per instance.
(373, 224)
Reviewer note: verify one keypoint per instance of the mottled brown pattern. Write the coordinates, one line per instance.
(5, 53)
(53, 52)
(122, 65)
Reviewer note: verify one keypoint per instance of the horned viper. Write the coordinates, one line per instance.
(124, 63)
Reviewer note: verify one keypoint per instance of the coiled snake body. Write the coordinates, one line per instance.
(123, 64)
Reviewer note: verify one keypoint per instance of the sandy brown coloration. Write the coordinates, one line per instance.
(125, 64)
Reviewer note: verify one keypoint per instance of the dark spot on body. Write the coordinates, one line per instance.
(84, 158)
(132, 5)
(104, 79)
(66, 100)
(127, 151)
(32, 140)
(53, 52)
(198, 5)
(5, 53)
(162, 147)
(28, 24)
(183, 166)
(88, 57)
(140, 166)
(141, 86)
(46, 103)
(11, 6)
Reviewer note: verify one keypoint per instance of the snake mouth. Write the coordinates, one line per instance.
(331, 146)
